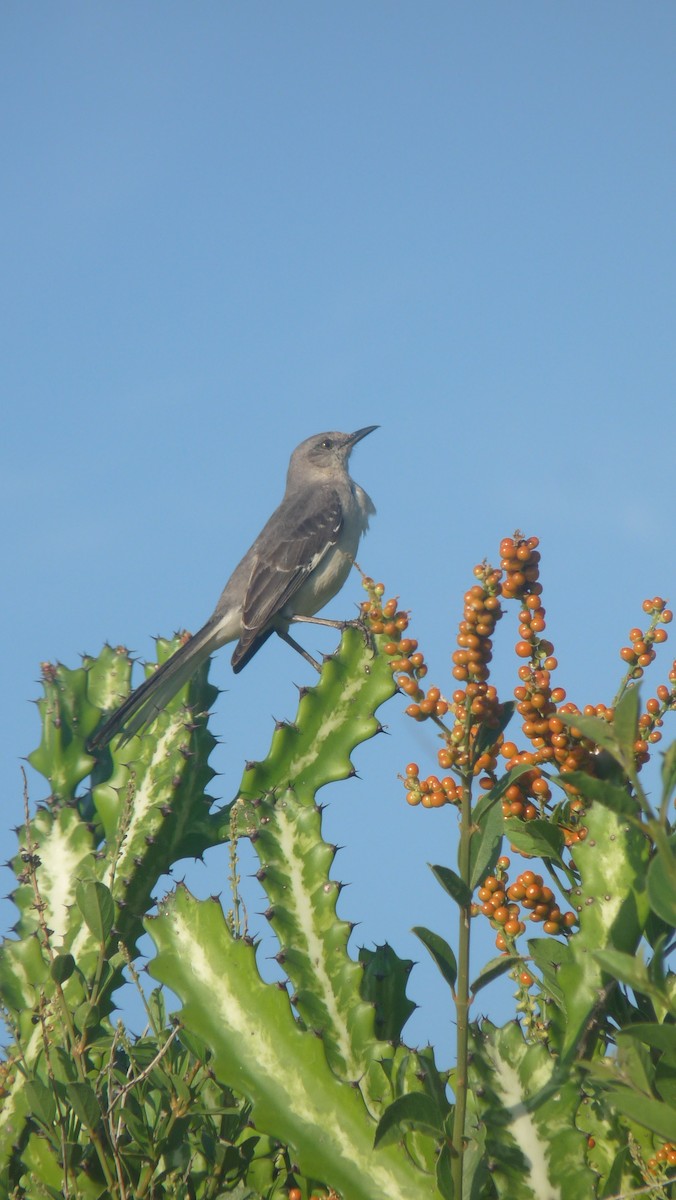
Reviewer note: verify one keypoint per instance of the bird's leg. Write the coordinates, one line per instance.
(286, 637)
(356, 623)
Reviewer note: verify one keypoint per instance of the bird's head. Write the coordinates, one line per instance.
(324, 454)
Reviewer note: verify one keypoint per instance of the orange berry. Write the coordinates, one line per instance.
(412, 769)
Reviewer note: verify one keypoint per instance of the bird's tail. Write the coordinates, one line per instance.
(152, 696)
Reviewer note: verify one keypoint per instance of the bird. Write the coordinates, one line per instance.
(299, 561)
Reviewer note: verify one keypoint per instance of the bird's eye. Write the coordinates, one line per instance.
(326, 444)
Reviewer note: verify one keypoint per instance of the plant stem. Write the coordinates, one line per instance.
(462, 991)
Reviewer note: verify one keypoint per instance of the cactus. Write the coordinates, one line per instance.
(332, 995)
(86, 866)
(287, 1090)
(259, 1049)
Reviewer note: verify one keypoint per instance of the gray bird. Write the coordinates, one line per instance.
(299, 560)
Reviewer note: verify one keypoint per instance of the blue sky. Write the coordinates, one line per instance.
(228, 226)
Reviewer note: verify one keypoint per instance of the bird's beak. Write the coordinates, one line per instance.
(353, 438)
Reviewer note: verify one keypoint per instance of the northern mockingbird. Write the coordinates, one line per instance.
(299, 560)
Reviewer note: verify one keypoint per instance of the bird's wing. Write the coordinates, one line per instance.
(301, 536)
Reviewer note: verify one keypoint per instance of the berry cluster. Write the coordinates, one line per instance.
(663, 1161)
(650, 722)
(642, 652)
(528, 796)
(407, 662)
(502, 902)
(519, 560)
(541, 706)
(556, 743)
(492, 902)
(537, 702)
(476, 704)
(431, 792)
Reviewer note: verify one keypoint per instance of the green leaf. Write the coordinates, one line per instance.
(62, 967)
(83, 1101)
(662, 888)
(41, 1101)
(441, 953)
(665, 1078)
(626, 968)
(596, 729)
(625, 722)
(668, 774)
(493, 970)
(649, 1113)
(489, 798)
(488, 735)
(383, 985)
(416, 1110)
(619, 799)
(548, 953)
(453, 884)
(444, 1173)
(484, 847)
(97, 906)
(662, 1037)
(539, 838)
(86, 1016)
